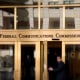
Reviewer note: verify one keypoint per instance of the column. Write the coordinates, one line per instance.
(1, 19)
(31, 18)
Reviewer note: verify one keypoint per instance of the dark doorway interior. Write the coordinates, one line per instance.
(54, 50)
(27, 62)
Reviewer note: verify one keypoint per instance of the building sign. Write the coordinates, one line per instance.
(25, 36)
(57, 35)
(42, 35)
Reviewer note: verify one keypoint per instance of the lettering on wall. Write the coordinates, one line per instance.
(57, 36)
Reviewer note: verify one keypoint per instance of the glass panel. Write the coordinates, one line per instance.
(6, 62)
(54, 23)
(27, 18)
(72, 20)
(19, 2)
(71, 1)
(51, 2)
(28, 62)
(69, 23)
(33, 2)
(54, 2)
(6, 18)
(73, 62)
(51, 18)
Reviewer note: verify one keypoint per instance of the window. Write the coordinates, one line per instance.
(53, 2)
(6, 62)
(29, 20)
(69, 23)
(35, 23)
(6, 18)
(54, 23)
(68, 1)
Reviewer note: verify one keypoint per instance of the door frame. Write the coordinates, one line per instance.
(37, 59)
(43, 53)
(44, 60)
(45, 73)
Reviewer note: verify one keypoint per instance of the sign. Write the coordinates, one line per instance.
(40, 35)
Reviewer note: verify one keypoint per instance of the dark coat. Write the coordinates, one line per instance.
(60, 71)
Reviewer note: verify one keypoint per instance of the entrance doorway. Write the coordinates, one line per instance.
(49, 51)
(27, 62)
(54, 50)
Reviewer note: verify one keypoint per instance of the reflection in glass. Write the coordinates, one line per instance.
(51, 18)
(6, 18)
(51, 2)
(72, 18)
(27, 18)
(73, 62)
(18, 2)
(69, 23)
(69, 1)
(6, 62)
(54, 23)
(33, 2)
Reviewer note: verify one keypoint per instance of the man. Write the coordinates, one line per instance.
(60, 70)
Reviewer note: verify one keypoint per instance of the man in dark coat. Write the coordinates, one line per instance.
(60, 70)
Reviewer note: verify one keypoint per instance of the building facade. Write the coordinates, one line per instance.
(40, 26)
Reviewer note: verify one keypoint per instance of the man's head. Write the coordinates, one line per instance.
(58, 58)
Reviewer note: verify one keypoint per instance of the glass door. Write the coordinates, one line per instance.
(43, 59)
(49, 51)
(54, 50)
(19, 60)
(30, 61)
(72, 60)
